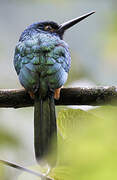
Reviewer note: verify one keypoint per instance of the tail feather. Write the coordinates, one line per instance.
(44, 127)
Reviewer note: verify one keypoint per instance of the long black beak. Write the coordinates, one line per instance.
(72, 22)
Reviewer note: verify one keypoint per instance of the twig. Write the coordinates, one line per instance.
(21, 168)
(69, 96)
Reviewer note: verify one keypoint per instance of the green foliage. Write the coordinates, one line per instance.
(71, 120)
(87, 145)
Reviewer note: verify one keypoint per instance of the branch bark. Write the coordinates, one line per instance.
(69, 96)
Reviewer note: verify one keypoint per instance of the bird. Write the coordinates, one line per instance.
(42, 62)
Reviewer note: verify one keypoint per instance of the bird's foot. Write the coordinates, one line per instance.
(31, 94)
(57, 93)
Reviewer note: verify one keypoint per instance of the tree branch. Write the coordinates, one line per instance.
(69, 96)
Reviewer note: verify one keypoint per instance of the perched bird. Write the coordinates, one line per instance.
(42, 62)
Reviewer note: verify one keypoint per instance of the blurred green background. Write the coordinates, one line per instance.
(93, 45)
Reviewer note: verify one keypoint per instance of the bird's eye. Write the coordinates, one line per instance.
(48, 28)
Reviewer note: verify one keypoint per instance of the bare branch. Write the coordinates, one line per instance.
(21, 168)
(69, 96)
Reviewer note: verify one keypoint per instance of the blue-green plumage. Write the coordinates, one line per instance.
(43, 56)
(42, 62)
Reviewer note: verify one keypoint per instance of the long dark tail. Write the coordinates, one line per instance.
(45, 128)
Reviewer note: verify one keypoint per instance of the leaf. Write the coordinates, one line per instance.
(61, 173)
(70, 121)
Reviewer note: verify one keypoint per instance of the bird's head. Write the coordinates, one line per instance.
(52, 27)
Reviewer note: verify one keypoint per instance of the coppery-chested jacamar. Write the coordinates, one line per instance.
(42, 62)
